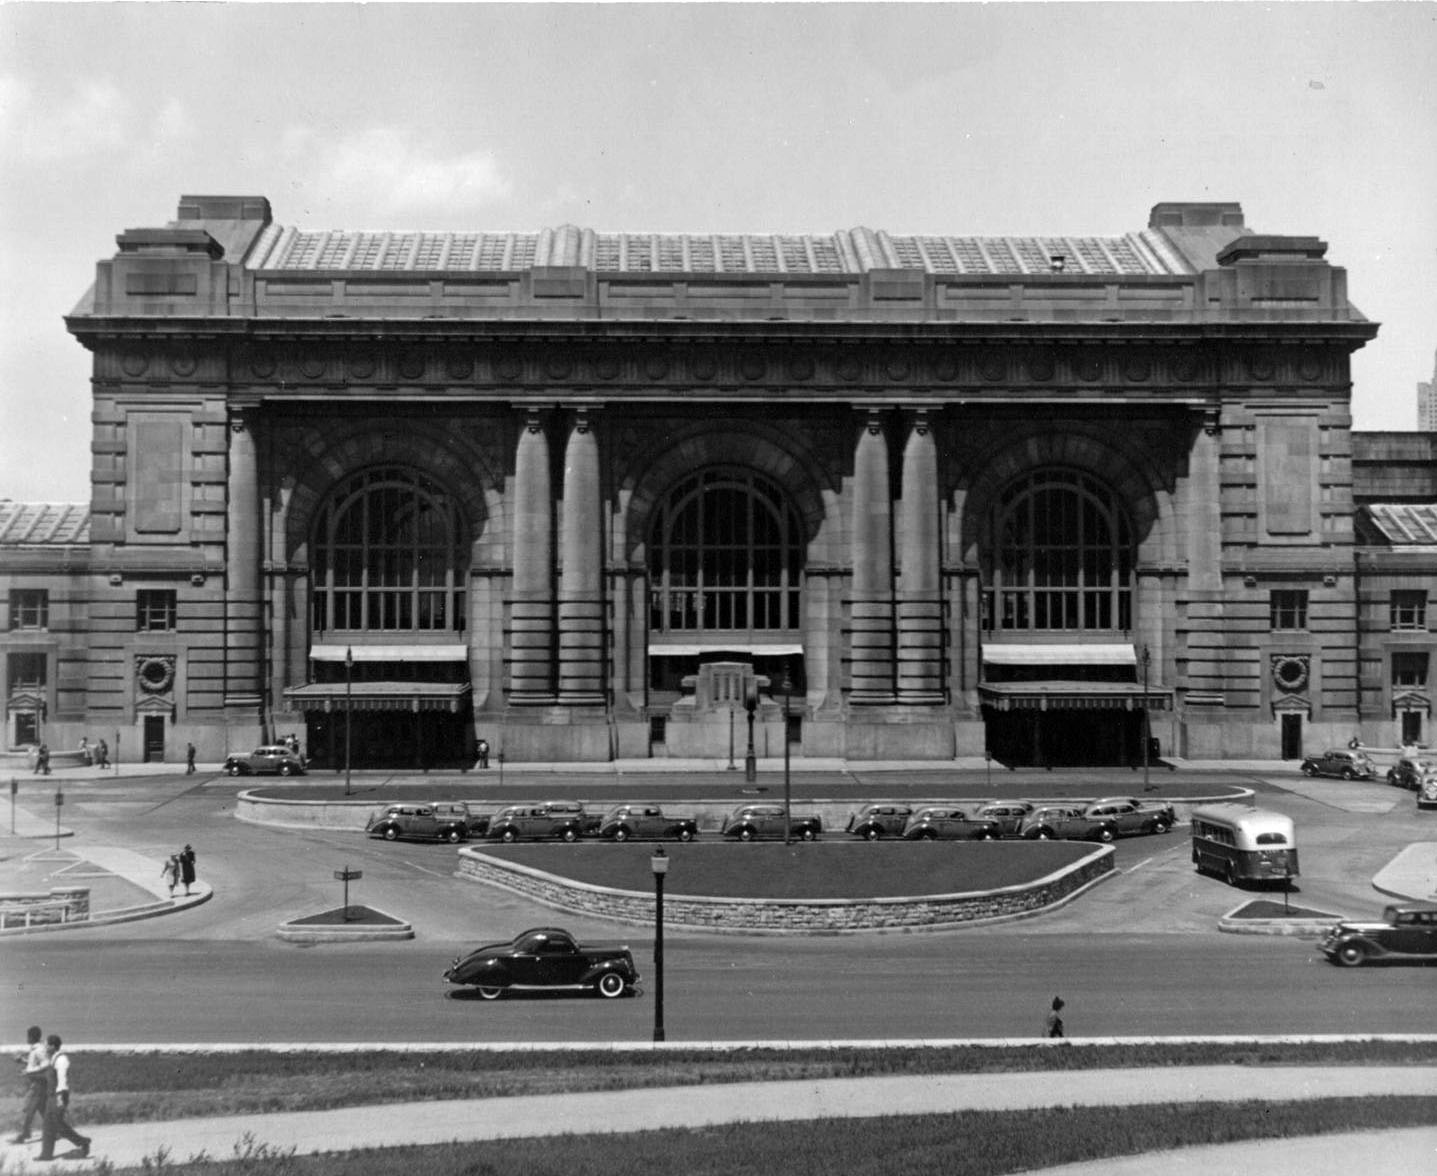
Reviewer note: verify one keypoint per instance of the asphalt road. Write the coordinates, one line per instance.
(1140, 954)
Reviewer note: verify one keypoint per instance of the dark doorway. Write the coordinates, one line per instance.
(1291, 737)
(1101, 737)
(154, 739)
(1411, 728)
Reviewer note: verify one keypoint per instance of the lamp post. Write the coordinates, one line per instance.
(750, 760)
(731, 765)
(787, 790)
(659, 863)
(348, 711)
(1147, 661)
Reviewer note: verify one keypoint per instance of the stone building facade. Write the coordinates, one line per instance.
(589, 496)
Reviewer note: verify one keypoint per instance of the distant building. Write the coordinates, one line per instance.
(592, 495)
(1427, 403)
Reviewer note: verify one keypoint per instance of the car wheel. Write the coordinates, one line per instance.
(809, 835)
(621, 833)
(1229, 874)
(452, 836)
(286, 770)
(872, 833)
(745, 834)
(1160, 826)
(487, 993)
(610, 985)
(1308, 770)
(233, 769)
(1350, 955)
(390, 833)
(509, 835)
(1043, 834)
(1107, 833)
(686, 834)
(570, 834)
(1348, 774)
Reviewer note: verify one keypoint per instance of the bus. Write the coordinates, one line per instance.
(1243, 844)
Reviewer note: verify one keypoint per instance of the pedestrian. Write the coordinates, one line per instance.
(170, 872)
(102, 754)
(85, 749)
(483, 753)
(36, 1063)
(56, 1124)
(187, 867)
(189, 759)
(42, 760)
(1055, 1021)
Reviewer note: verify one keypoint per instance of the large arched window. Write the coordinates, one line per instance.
(389, 556)
(725, 556)
(1061, 557)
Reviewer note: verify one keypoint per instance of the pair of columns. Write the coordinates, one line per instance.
(896, 614)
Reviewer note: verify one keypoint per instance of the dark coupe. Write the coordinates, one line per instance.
(545, 959)
(1406, 931)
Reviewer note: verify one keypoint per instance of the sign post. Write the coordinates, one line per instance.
(59, 802)
(346, 876)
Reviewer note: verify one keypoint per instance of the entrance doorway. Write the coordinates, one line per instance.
(1291, 737)
(1411, 728)
(1099, 737)
(154, 742)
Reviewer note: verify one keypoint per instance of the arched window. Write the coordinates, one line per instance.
(1061, 556)
(725, 556)
(388, 556)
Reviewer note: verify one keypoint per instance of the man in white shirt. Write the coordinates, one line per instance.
(56, 1124)
(36, 1060)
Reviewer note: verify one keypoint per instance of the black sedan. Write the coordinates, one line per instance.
(273, 760)
(545, 959)
(1406, 931)
(646, 820)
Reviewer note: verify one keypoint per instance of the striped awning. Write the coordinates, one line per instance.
(1006, 696)
(693, 649)
(388, 653)
(1086, 654)
(379, 696)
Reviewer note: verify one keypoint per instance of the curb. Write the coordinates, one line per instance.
(149, 910)
(293, 932)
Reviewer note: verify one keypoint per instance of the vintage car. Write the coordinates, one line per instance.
(1009, 814)
(1349, 763)
(446, 820)
(1408, 931)
(1126, 815)
(1427, 793)
(874, 821)
(1409, 772)
(749, 822)
(561, 820)
(545, 959)
(646, 820)
(1054, 822)
(274, 758)
(948, 823)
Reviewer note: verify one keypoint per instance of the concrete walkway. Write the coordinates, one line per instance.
(478, 1120)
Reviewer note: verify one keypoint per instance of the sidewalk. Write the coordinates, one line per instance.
(478, 1120)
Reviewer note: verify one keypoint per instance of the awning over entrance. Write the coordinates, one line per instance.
(379, 696)
(692, 649)
(388, 653)
(1060, 655)
(1055, 695)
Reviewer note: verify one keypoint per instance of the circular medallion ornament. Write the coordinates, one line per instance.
(508, 367)
(1290, 672)
(1137, 369)
(1040, 367)
(312, 366)
(1185, 368)
(800, 367)
(753, 366)
(183, 364)
(411, 365)
(703, 366)
(459, 366)
(1261, 366)
(134, 363)
(899, 367)
(848, 368)
(992, 367)
(155, 674)
(361, 366)
(656, 367)
(945, 368)
(606, 367)
(262, 366)
(1309, 367)
(559, 366)
(1090, 368)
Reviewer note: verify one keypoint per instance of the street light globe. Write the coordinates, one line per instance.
(659, 863)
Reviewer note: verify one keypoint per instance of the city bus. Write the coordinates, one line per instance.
(1242, 844)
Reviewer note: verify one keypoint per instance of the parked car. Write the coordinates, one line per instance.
(274, 759)
(646, 820)
(1349, 763)
(545, 959)
(874, 821)
(1009, 814)
(562, 820)
(1409, 772)
(439, 821)
(749, 822)
(1052, 822)
(1128, 815)
(946, 823)
(1407, 931)
(1427, 793)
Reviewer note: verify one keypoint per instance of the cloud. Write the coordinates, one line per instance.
(395, 172)
(95, 118)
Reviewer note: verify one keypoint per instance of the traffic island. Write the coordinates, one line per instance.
(345, 924)
(1263, 916)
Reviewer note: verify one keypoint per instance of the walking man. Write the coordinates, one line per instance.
(1055, 1020)
(483, 753)
(189, 759)
(36, 1061)
(102, 754)
(56, 1125)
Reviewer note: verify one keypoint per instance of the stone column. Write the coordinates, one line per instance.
(531, 670)
(581, 606)
(871, 633)
(920, 605)
(243, 661)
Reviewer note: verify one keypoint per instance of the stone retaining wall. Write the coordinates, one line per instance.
(751, 916)
(62, 904)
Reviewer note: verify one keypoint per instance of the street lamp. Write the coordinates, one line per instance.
(348, 711)
(1147, 726)
(750, 760)
(659, 863)
(787, 790)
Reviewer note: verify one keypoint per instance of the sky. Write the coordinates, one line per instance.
(944, 118)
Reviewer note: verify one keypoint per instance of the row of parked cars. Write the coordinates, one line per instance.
(1416, 773)
(562, 820)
